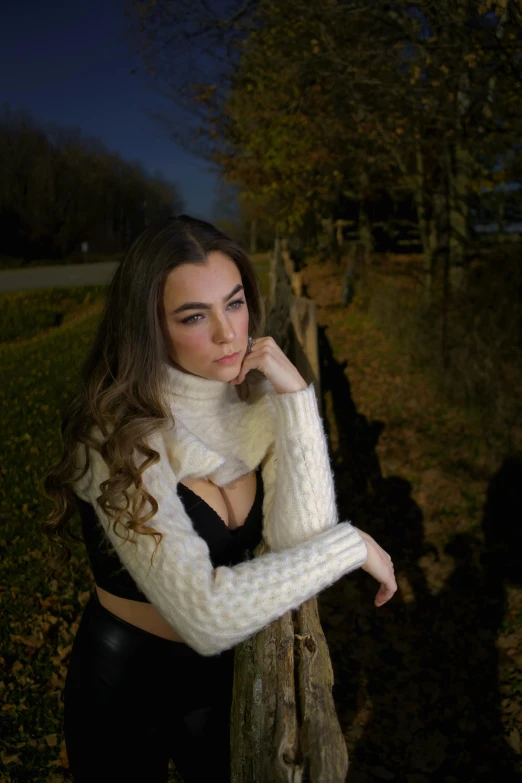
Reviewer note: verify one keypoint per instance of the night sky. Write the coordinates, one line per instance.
(70, 63)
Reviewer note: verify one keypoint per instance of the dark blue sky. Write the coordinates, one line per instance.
(69, 62)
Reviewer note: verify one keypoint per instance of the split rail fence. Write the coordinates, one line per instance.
(284, 727)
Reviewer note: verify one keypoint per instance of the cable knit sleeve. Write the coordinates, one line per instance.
(299, 499)
(216, 609)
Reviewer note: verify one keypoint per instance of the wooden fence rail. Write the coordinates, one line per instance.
(284, 727)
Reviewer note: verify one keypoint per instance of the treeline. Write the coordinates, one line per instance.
(403, 118)
(59, 188)
(321, 104)
(348, 100)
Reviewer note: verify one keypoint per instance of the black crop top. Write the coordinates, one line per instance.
(228, 546)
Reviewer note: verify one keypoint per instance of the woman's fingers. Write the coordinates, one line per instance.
(267, 357)
(385, 592)
(249, 362)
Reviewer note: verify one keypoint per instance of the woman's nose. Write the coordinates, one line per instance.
(224, 330)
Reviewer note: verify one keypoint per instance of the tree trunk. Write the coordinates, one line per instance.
(439, 232)
(253, 236)
(365, 227)
(426, 228)
(339, 235)
(333, 247)
(459, 178)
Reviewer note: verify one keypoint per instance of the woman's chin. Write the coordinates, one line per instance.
(226, 373)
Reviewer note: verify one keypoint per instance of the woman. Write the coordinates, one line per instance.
(188, 443)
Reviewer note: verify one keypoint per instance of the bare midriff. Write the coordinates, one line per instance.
(232, 504)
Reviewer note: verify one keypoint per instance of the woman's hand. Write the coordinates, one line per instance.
(268, 357)
(379, 565)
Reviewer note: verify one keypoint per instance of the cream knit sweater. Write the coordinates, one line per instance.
(216, 435)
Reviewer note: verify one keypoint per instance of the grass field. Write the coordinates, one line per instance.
(38, 618)
(24, 314)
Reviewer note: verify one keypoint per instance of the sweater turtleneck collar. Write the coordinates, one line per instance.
(216, 435)
(183, 387)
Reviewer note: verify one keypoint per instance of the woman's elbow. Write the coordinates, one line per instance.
(207, 643)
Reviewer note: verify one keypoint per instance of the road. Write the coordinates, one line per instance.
(57, 276)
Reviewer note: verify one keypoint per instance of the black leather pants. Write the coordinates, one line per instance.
(133, 700)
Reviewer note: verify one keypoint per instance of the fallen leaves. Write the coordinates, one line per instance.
(10, 759)
(442, 663)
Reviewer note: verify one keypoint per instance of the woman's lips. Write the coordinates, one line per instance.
(229, 359)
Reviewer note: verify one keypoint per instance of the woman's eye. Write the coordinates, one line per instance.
(191, 318)
(237, 302)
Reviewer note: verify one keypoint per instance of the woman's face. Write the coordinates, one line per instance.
(206, 317)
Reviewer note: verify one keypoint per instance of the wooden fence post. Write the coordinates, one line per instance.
(284, 727)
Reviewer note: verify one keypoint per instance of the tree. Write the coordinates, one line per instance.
(59, 187)
(327, 99)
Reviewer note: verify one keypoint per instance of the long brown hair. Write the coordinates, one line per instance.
(122, 377)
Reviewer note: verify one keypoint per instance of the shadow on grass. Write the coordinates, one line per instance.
(416, 685)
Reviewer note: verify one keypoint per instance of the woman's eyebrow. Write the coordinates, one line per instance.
(204, 305)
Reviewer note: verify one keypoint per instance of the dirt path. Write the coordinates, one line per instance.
(428, 688)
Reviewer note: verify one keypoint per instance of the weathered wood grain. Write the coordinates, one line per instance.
(284, 728)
